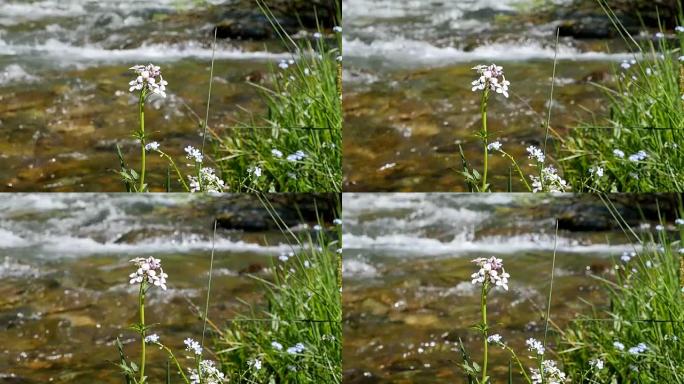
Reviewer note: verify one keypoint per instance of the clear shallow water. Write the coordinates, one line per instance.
(408, 102)
(64, 292)
(64, 93)
(407, 273)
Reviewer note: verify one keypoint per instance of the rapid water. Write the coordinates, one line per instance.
(408, 296)
(64, 73)
(408, 99)
(64, 265)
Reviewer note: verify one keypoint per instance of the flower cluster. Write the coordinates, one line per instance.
(598, 364)
(296, 349)
(491, 78)
(208, 374)
(491, 271)
(192, 346)
(639, 156)
(152, 339)
(550, 374)
(209, 182)
(496, 146)
(149, 79)
(495, 339)
(194, 154)
(297, 156)
(536, 154)
(153, 146)
(534, 345)
(550, 181)
(150, 271)
(639, 348)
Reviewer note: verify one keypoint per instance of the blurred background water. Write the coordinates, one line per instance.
(408, 296)
(408, 100)
(64, 264)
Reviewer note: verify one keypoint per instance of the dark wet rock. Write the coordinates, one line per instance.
(590, 215)
(247, 213)
(15, 380)
(590, 26)
(244, 20)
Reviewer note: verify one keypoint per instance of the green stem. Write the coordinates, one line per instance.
(483, 111)
(517, 168)
(141, 108)
(517, 360)
(178, 366)
(141, 296)
(175, 167)
(483, 305)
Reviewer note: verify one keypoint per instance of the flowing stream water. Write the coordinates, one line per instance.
(408, 296)
(64, 100)
(408, 100)
(64, 290)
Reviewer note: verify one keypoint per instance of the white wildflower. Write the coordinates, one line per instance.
(679, 28)
(639, 348)
(534, 345)
(596, 363)
(276, 153)
(153, 338)
(297, 156)
(296, 349)
(552, 182)
(679, 221)
(618, 153)
(208, 374)
(210, 182)
(639, 156)
(192, 346)
(153, 146)
(491, 78)
(337, 29)
(659, 35)
(598, 171)
(491, 271)
(283, 65)
(550, 374)
(256, 364)
(494, 146)
(256, 171)
(149, 79)
(277, 345)
(149, 271)
(194, 154)
(495, 339)
(619, 346)
(535, 153)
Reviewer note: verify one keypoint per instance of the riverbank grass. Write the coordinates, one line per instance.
(296, 336)
(639, 338)
(296, 145)
(637, 147)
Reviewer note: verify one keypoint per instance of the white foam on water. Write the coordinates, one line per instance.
(66, 54)
(404, 52)
(405, 245)
(358, 269)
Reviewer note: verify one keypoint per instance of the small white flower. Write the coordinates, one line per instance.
(297, 156)
(596, 363)
(659, 35)
(619, 346)
(598, 171)
(679, 221)
(491, 78)
(276, 153)
(149, 270)
(534, 345)
(283, 65)
(193, 154)
(211, 183)
(494, 146)
(208, 374)
(639, 156)
(550, 374)
(337, 29)
(153, 338)
(659, 228)
(618, 153)
(639, 348)
(625, 65)
(277, 345)
(495, 339)
(256, 364)
(535, 153)
(317, 227)
(152, 146)
(339, 222)
(192, 346)
(256, 171)
(679, 28)
(296, 349)
(317, 35)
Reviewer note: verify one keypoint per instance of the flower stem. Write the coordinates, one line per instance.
(483, 111)
(178, 366)
(141, 297)
(483, 305)
(141, 107)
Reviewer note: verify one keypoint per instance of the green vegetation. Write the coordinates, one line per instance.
(637, 147)
(646, 310)
(296, 146)
(296, 337)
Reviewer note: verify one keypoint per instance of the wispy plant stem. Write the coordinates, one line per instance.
(483, 111)
(141, 108)
(141, 301)
(483, 305)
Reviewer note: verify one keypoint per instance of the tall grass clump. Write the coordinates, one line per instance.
(295, 336)
(638, 337)
(637, 147)
(296, 145)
